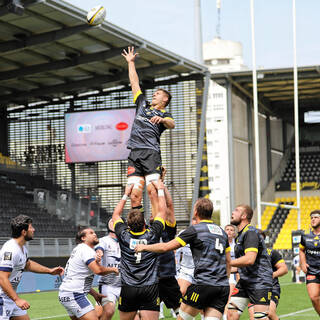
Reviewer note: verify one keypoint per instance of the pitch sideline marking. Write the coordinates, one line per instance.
(293, 313)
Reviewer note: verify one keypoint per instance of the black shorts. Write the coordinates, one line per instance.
(313, 278)
(275, 297)
(256, 297)
(139, 298)
(142, 162)
(169, 292)
(205, 296)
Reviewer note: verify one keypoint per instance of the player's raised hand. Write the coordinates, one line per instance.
(23, 304)
(57, 271)
(129, 55)
(156, 120)
(158, 184)
(113, 270)
(128, 189)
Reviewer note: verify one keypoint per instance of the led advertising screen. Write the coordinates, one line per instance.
(92, 136)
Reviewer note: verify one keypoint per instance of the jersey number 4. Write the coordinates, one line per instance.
(218, 246)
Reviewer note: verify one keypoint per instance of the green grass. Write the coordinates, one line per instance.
(294, 298)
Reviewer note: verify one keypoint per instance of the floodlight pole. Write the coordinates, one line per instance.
(296, 111)
(256, 115)
(198, 31)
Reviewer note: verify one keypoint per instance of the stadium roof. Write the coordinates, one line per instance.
(275, 89)
(47, 50)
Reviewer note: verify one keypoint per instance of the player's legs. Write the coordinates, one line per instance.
(261, 311)
(238, 302)
(108, 311)
(232, 284)
(91, 315)
(314, 294)
(136, 194)
(127, 315)
(152, 193)
(272, 311)
(183, 284)
(251, 311)
(149, 314)
(187, 312)
(25, 317)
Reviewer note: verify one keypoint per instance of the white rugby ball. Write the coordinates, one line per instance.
(96, 15)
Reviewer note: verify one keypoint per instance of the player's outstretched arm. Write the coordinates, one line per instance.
(158, 247)
(33, 266)
(118, 209)
(247, 260)
(100, 270)
(130, 56)
(162, 206)
(7, 288)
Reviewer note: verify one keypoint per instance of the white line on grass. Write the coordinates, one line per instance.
(59, 315)
(293, 313)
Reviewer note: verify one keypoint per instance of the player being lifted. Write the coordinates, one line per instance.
(310, 259)
(144, 161)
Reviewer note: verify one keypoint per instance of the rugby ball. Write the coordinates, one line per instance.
(96, 15)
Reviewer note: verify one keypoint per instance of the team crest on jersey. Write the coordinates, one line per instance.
(135, 242)
(7, 256)
(214, 229)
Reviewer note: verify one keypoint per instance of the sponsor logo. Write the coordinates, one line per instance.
(122, 126)
(310, 277)
(115, 142)
(84, 128)
(103, 127)
(7, 256)
(131, 170)
(135, 242)
(235, 291)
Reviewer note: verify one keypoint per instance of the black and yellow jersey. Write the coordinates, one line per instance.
(138, 269)
(310, 243)
(275, 259)
(259, 275)
(144, 134)
(208, 244)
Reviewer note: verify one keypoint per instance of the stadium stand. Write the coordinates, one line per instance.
(16, 197)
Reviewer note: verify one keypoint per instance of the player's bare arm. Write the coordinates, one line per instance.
(33, 266)
(162, 206)
(97, 296)
(282, 269)
(7, 288)
(118, 209)
(130, 56)
(303, 261)
(228, 263)
(158, 247)
(100, 270)
(247, 260)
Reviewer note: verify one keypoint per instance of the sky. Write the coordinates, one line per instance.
(170, 24)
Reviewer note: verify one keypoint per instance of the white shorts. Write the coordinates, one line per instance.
(233, 279)
(112, 293)
(76, 304)
(185, 276)
(9, 309)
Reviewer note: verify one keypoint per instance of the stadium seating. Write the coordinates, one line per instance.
(16, 198)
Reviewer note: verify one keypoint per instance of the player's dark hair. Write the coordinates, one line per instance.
(247, 210)
(167, 93)
(135, 220)
(81, 233)
(19, 223)
(204, 208)
(314, 212)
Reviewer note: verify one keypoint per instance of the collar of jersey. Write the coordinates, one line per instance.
(139, 233)
(162, 110)
(245, 229)
(210, 221)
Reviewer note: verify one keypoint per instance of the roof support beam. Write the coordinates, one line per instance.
(82, 84)
(60, 64)
(42, 38)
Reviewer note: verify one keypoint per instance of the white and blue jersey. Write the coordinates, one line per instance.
(78, 276)
(111, 258)
(13, 259)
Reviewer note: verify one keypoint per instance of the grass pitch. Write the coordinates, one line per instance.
(294, 304)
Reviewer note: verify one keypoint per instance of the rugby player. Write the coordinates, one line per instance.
(211, 255)
(139, 278)
(279, 268)
(144, 161)
(254, 267)
(110, 284)
(13, 261)
(310, 259)
(80, 270)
